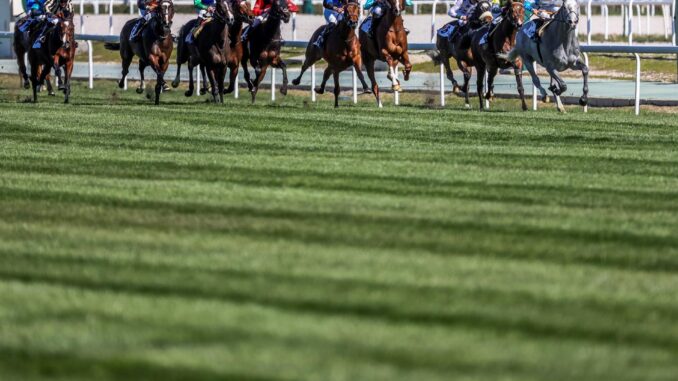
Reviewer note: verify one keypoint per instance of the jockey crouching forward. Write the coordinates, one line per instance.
(261, 10)
(460, 13)
(205, 12)
(376, 8)
(542, 13)
(147, 8)
(334, 12)
(37, 14)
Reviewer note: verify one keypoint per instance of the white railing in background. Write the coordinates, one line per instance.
(636, 50)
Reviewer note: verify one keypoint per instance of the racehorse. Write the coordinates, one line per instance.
(154, 47)
(557, 50)
(389, 44)
(498, 39)
(22, 44)
(212, 49)
(458, 46)
(243, 14)
(43, 58)
(341, 51)
(263, 48)
(65, 55)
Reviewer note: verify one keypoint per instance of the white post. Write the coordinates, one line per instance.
(637, 108)
(124, 87)
(534, 90)
(312, 83)
(433, 21)
(82, 16)
(396, 94)
(95, 3)
(647, 19)
(131, 7)
(486, 89)
(110, 17)
(630, 22)
(605, 12)
(588, 22)
(236, 88)
(198, 80)
(272, 85)
(355, 87)
(294, 26)
(586, 62)
(665, 11)
(442, 86)
(91, 64)
(640, 19)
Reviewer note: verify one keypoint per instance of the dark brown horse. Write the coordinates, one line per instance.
(341, 51)
(212, 49)
(263, 48)
(42, 58)
(458, 46)
(65, 55)
(183, 54)
(154, 47)
(500, 40)
(22, 44)
(389, 44)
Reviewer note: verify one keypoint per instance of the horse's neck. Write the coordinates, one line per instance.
(235, 30)
(508, 32)
(562, 35)
(345, 32)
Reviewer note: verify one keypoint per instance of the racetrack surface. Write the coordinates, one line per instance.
(292, 241)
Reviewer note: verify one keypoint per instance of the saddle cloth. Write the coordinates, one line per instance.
(446, 31)
(367, 23)
(530, 29)
(483, 39)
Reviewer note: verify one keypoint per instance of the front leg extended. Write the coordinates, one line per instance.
(280, 64)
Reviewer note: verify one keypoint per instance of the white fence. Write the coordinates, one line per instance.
(586, 49)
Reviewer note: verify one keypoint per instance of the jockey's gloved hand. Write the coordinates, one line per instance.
(41, 17)
(211, 9)
(544, 15)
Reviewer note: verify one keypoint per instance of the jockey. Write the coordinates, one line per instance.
(376, 8)
(461, 11)
(333, 13)
(260, 10)
(542, 11)
(205, 9)
(146, 7)
(38, 13)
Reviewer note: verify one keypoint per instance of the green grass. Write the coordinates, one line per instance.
(292, 241)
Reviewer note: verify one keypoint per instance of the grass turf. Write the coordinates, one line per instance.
(298, 242)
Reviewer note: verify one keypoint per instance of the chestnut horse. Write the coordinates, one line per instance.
(500, 39)
(212, 49)
(341, 51)
(65, 55)
(153, 48)
(263, 48)
(389, 44)
(22, 44)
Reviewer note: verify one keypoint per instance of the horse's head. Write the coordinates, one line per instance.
(281, 10)
(352, 13)
(397, 6)
(243, 11)
(224, 11)
(481, 13)
(65, 27)
(515, 12)
(166, 15)
(569, 13)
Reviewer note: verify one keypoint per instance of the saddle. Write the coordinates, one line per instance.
(198, 28)
(541, 28)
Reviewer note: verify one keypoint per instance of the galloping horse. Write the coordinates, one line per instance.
(263, 48)
(65, 55)
(153, 48)
(341, 51)
(498, 39)
(212, 49)
(183, 54)
(22, 44)
(557, 50)
(43, 58)
(389, 44)
(458, 47)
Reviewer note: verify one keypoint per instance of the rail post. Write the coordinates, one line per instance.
(442, 85)
(355, 87)
(586, 62)
(396, 94)
(272, 85)
(433, 21)
(313, 83)
(110, 17)
(637, 104)
(606, 12)
(82, 16)
(629, 16)
(588, 22)
(674, 29)
(91, 64)
(236, 89)
(198, 81)
(294, 26)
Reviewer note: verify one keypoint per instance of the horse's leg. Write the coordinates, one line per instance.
(57, 73)
(220, 77)
(405, 60)
(260, 73)
(326, 76)
(191, 84)
(232, 78)
(280, 64)
(246, 72)
(357, 66)
(369, 65)
(48, 78)
(159, 84)
(518, 71)
(391, 63)
(34, 81)
(309, 60)
(480, 81)
(466, 70)
(584, 100)
(68, 71)
(20, 60)
(126, 61)
(337, 89)
(491, 73)
(535, 79)
(142, 83)
(203, 72)
(212, 75)
(558, 88)
(450, 74)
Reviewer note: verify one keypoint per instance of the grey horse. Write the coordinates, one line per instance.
(557, 50)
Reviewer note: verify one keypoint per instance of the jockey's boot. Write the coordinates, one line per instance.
(373, 27)
(320, 41)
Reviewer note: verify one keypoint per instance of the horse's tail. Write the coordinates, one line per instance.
(436, 56)
(112, 46)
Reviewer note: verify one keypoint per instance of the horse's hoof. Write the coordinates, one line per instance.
(51, 93)
(121, 84)
(228, 91)
(467, 106)
(139, 90)
(188, 93)
(165, 88)
(203, 91)
(367, 91)
(546, 99)
(27, 85)
(175, 84)
(283, 91)
(320, 91)
(296, 81)
(583, 101)
(395, 87)
(456, 89)
(524, 107)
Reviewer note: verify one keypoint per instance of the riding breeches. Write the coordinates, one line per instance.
(332, 17)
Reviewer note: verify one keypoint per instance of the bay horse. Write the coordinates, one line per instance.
(389, 44)
(42, 58)
(22, 44)
(341, 51)
(65, 55)
(184, 54)
(458, 46)
(212, 49)
(499, 39)
(263, 48)
(154, 47)
(557, 50)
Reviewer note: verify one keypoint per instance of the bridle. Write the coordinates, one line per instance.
(240, 15)
(351, 24)
(166, 8)
(280, 11)
(510, 14)
(224, 13)
(563, 16)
